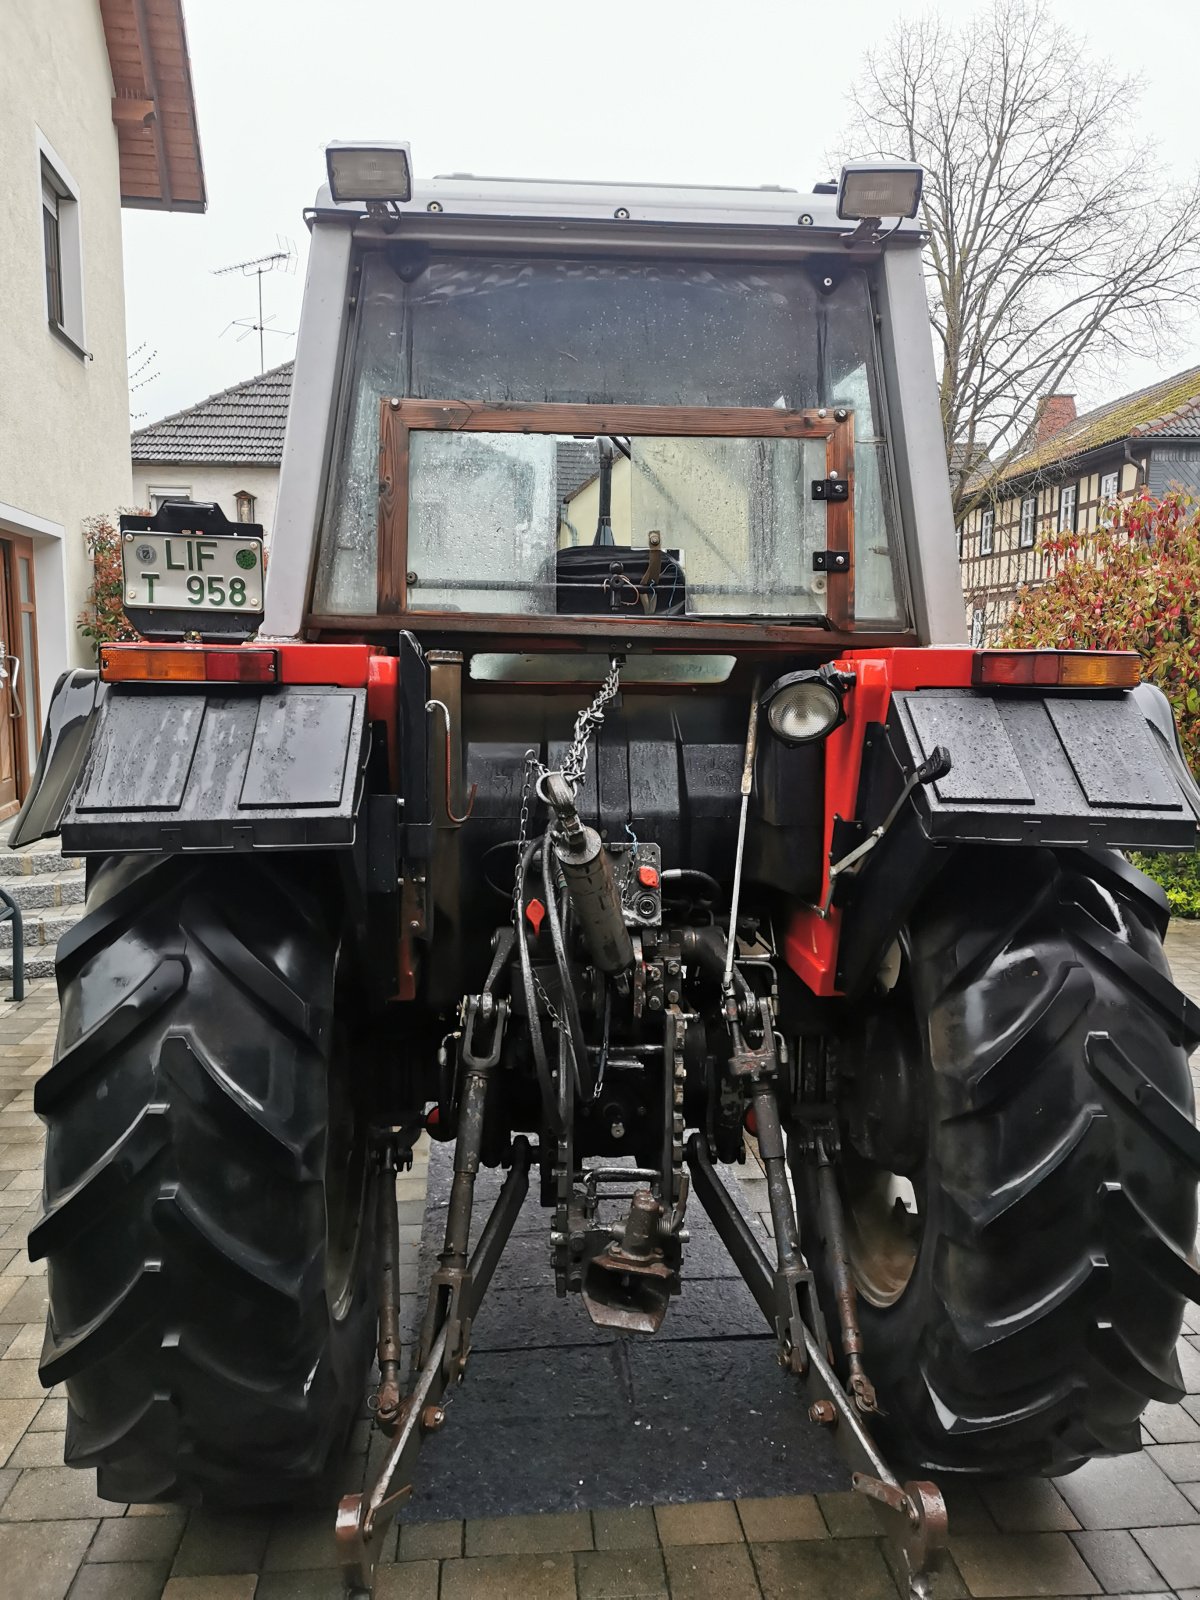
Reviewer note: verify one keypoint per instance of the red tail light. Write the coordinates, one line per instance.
(1057, 669)
(187, 663)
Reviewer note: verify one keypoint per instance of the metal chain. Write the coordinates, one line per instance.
(572, 771)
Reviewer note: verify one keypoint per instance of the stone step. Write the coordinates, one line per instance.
(40, 928)
(36, 862)
(39, 963)
(48, 889)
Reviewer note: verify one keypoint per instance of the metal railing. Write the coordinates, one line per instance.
(10, 909)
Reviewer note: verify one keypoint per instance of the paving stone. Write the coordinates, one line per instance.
(1189, 1365)
(1027, 1505)
(510, 1536)
(430, 1541)
(415, 1580)
(620, 1575)
(8, 1476)
(809, 1570)
(1170, 1424)
(711, 1572)
(18, 1379)
(793, 1516)
(1180, 1462)
(1035, 1564)
(36, 1567)
(52, 1494)
(51, 1417)
(15, 1417)
(300, 1541)
(966, 1510)
(217, 1543)
(230, 1586)
(1119, 1562)
(120, 1580)
(38, 1450)
(26, 1344)
(525, 1577)
(848, 1516)
(1175, 1552)
(625, 1528)
(320, 1583)
(706, 1522)
(1192, 1490)
(137, 1538)
(1124, 1492)
(26, 1303)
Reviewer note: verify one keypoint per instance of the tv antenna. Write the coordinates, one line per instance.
(281, 259)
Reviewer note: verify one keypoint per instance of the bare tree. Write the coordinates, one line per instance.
(1053, 239)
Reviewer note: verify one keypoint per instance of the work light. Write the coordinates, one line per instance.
(802, 706)
(870, 191)
(369, 172)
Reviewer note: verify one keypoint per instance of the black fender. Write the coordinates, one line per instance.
(168, 768)
(1065, 771)
(74, 705)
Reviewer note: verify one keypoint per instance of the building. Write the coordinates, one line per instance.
(1069, 480)
(96, 113)
(226, 449)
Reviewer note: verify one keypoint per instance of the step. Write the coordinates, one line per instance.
(40, 928)
(48, 889)
(35, 862)
(39, 963)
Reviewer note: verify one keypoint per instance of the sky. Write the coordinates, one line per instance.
(685, 91)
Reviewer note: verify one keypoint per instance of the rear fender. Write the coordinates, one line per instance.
(70, 720)
(1063, 770)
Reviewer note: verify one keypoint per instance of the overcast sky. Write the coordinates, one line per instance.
(687, 91)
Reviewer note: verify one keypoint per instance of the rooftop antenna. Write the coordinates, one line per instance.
(281, 259)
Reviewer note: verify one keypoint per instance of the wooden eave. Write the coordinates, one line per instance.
(154, 110)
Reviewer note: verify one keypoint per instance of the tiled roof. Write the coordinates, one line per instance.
(1167, 409)
(242, 426)
(577, 464)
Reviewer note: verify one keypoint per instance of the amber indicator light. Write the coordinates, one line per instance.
(135, 663)
(1057, 669)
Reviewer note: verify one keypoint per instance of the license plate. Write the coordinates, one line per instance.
(189, 572)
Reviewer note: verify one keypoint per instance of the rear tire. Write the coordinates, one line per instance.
(1036, 1307)
(206, 1220)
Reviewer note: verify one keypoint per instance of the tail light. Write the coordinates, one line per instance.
(135, 663)
(1056, 669)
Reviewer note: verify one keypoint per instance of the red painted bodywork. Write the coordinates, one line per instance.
(810, 943)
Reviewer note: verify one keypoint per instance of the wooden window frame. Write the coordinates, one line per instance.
(1028, 502)
(399, 418)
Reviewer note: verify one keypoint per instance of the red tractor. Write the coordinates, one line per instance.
(598, 774)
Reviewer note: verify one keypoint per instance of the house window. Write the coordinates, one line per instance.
(977, 621)
(1066, 507)
(157, 496)
(1109, 489)
(987, 526)
(245, 505)
(1028, 521)
(62, 248)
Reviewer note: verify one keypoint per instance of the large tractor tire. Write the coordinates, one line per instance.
(206, 1220)
(1019, 1167)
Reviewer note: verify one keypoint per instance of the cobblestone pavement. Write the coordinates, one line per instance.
(1125, 1527)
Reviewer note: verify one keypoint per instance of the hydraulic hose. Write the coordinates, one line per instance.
(545, 1077)
(583, 1076)
(707, 948)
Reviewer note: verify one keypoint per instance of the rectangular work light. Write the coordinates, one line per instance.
(373, 172)
(872, 191)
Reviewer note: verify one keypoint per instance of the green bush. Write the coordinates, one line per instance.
(1178, 872)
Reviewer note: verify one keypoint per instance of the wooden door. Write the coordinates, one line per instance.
(20, 700)
(10, 774)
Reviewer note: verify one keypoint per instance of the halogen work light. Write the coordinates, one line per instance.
(869, 191)
(803, 706)
(374, 173)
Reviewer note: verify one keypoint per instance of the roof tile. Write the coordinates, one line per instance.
(242, 426)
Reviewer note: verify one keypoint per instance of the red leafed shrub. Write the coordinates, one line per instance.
(103, 618)
(1134, 586)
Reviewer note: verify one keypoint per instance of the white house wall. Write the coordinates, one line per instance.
(211, 483)
(64, 415)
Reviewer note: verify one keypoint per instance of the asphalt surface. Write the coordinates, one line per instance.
(557, 1414)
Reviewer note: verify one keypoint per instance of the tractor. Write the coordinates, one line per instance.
(592, 772)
